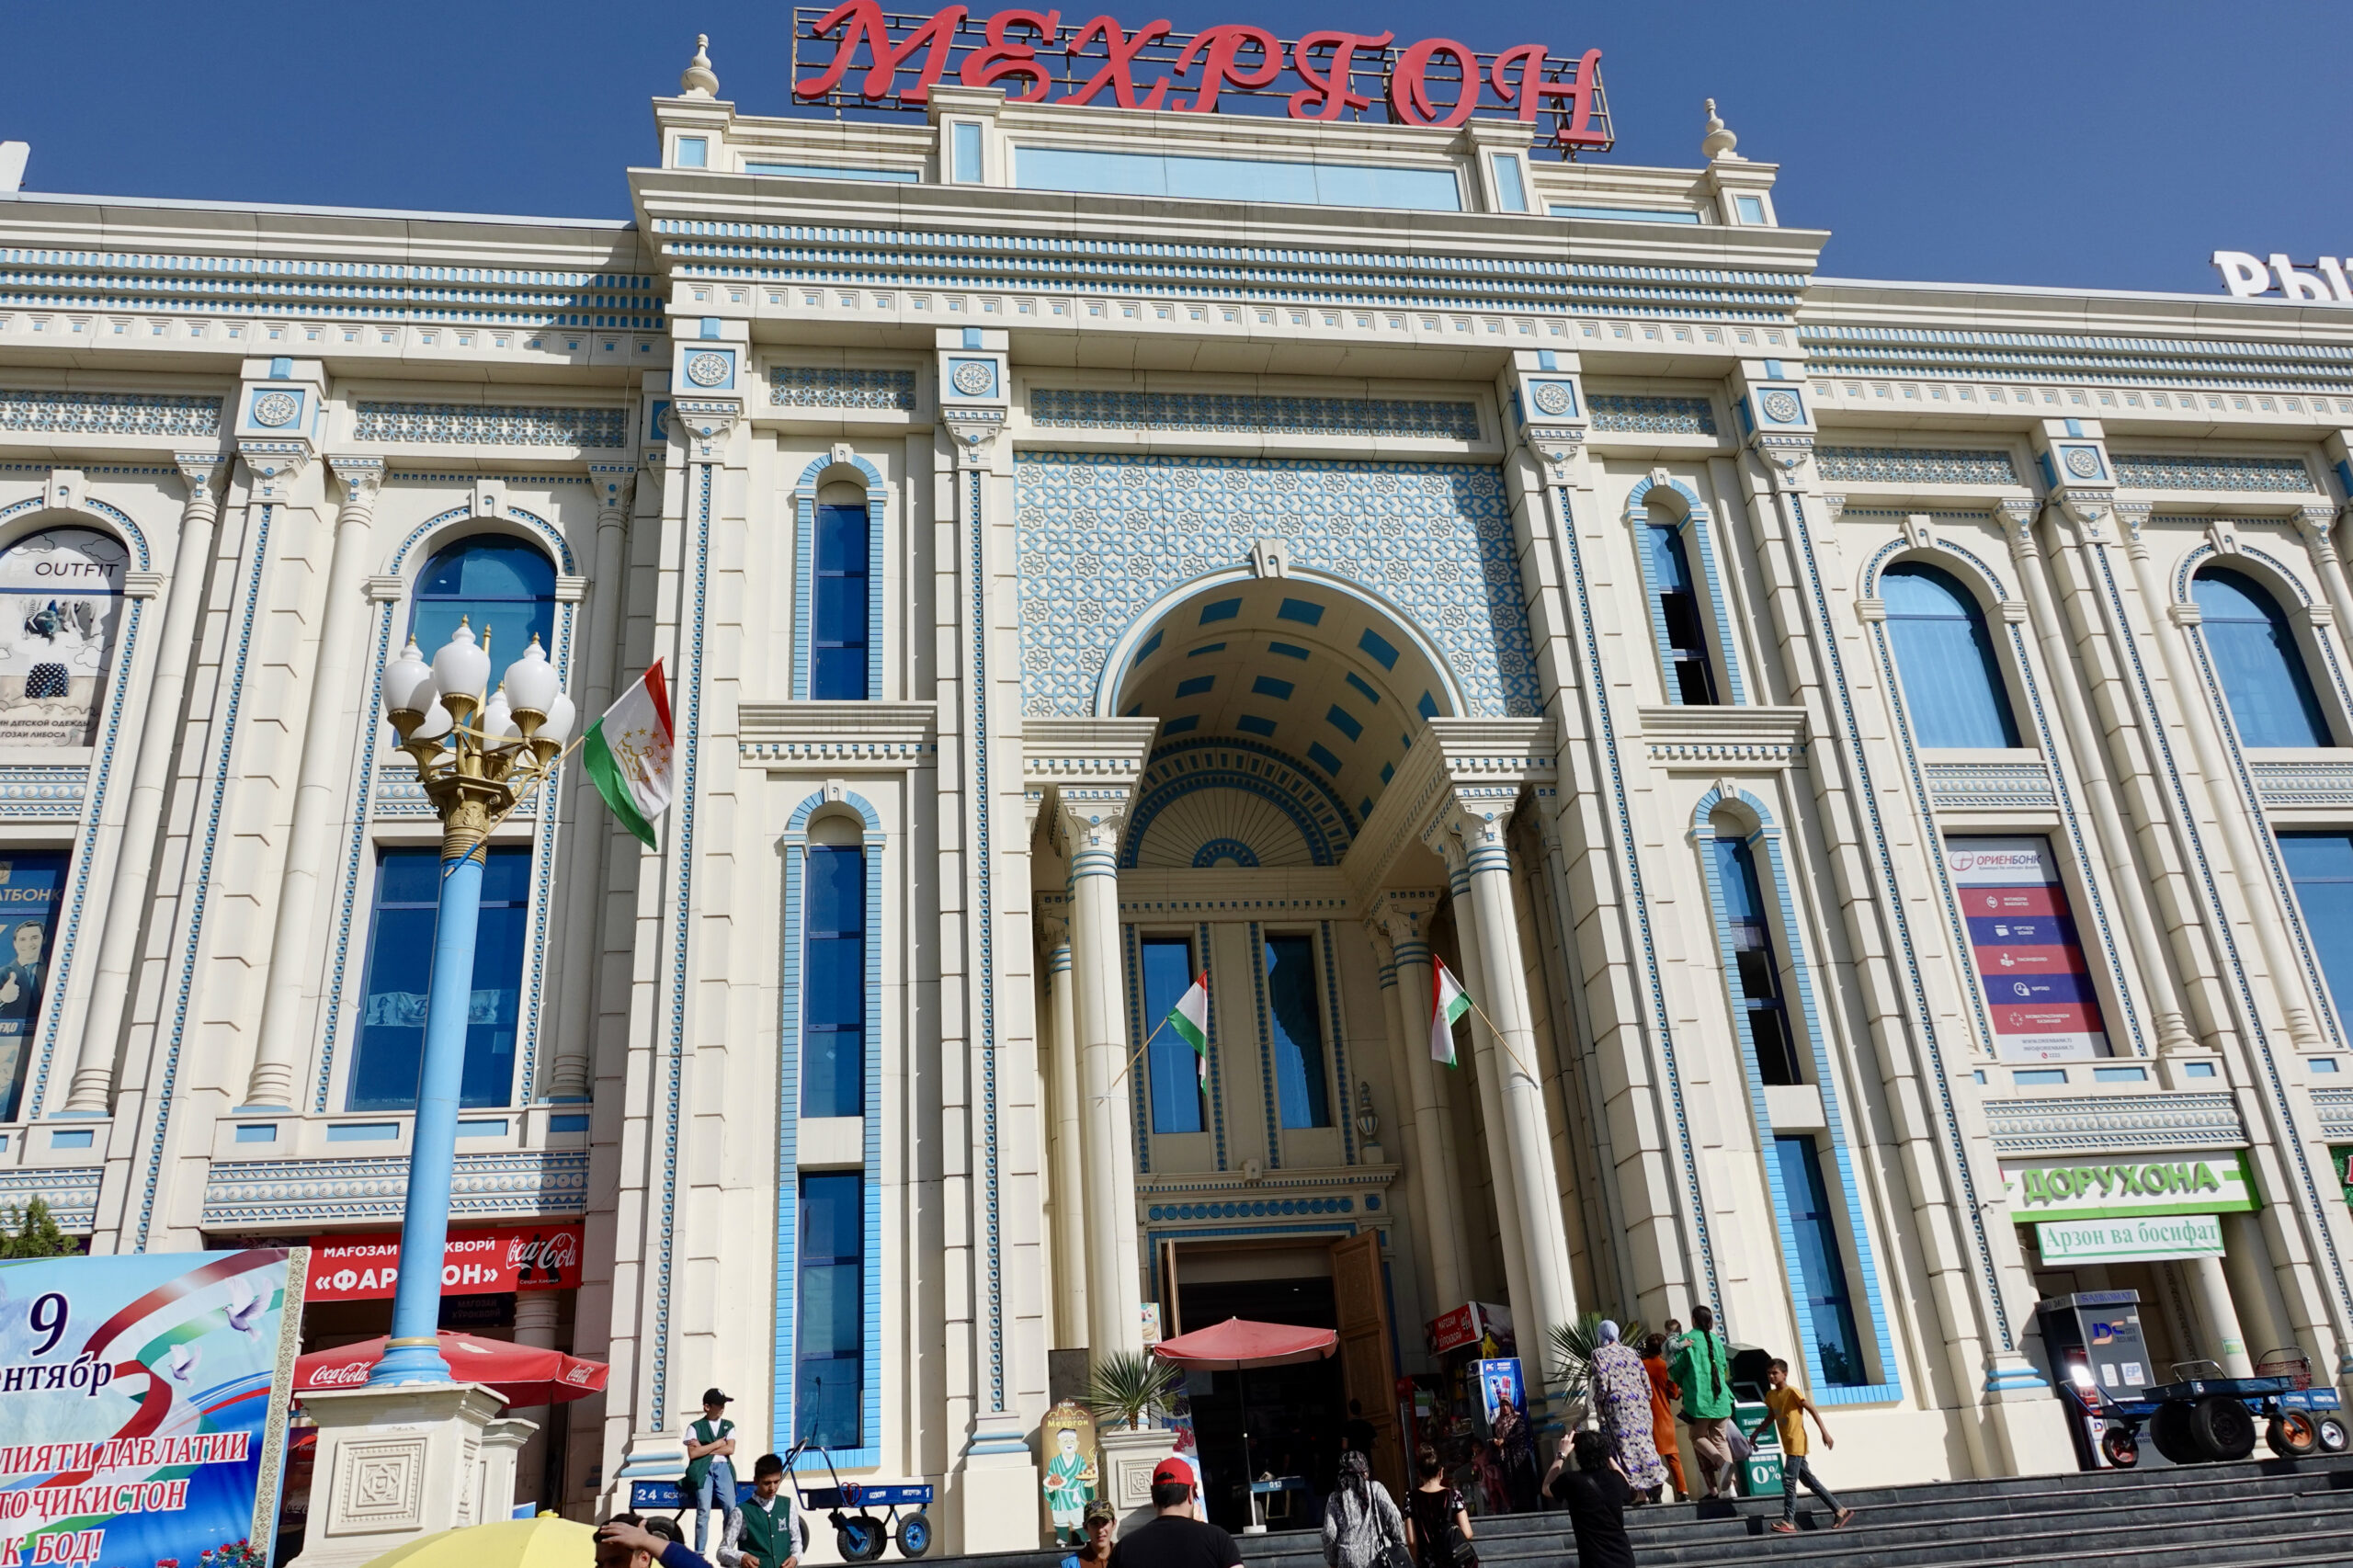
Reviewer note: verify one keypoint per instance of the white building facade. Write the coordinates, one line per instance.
(1874, 753)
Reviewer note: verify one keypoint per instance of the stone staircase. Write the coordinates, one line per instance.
(2254, 1512)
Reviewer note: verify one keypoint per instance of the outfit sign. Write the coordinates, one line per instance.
(61, 603)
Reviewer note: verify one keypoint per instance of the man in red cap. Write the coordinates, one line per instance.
(1175, 1537)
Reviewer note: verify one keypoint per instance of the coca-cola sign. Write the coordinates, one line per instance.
(858, 54)
(475, 1262)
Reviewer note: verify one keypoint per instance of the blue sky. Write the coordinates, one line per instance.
(2101, 143)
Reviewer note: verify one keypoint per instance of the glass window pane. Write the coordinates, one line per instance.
(1945, 659)
(836, 889)
(842, 539)
(391, 1047)
(2262, 669)
(2321, 865)
(837, 675)
(1820, 1265)
(1175, 1071)
(841, 613)
(831, 1221)
(502, 586)
(1294, 1019)
(832, 984)
(830, 1325)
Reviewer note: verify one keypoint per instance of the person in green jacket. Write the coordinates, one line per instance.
(762, 1535)
(710, 1470)
(1703, 1366)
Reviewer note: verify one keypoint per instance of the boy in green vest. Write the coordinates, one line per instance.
(761, 1534)
(710, 1469)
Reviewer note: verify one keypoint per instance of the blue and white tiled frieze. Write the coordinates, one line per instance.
(514, 1184)
(1914, 465)
(42, 794)
(1653, 415)
(490, 424)
(1991, 785)
(1103, 539)
(2141, 471)
(109, 414)
(71, 1192)
(2100, 1123)
(832, 386)
(1063, 408)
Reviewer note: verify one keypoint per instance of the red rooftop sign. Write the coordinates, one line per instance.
(858, 54)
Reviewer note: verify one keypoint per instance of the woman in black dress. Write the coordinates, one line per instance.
(1596, 1493)
(1432, 1509)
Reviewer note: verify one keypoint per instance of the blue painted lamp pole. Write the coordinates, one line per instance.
(476, 757)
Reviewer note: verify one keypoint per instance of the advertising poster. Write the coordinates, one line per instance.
(1499, 1385)
(32, 885)
(61, 602)
(142, 1405)
(2039, 989)
(476, 1262)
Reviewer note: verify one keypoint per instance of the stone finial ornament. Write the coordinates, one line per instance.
(697, 80)
(1719, 143)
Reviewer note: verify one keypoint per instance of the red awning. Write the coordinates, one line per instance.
(1237, 1342)
(524, 1374)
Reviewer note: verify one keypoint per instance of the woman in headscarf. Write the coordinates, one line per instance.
(1360, 1519)
(1621, 1398)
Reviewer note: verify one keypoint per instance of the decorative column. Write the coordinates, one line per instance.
(1478, 821)
(1092, 822)
(2017, 518)
(287, 1028)
(590, 832)
(1403, 918)
(535, 1324)
(1068, 1170)
(2226, 1342)
(91, 1093)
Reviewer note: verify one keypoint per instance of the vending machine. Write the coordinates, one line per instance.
(2095, 1341)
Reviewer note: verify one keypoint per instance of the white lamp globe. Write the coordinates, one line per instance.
(461, 668)
(497, 720)
(436, 724)
(408, 682)
(556, 728)
(530, 680)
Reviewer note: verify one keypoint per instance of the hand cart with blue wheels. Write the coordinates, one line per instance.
(2199, 1419)
(861, 1536)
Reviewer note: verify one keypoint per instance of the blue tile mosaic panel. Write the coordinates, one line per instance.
(1103, 537)
(1061, 408)
(109, 413)
(2145, 472)
(827, 386)
(1914, 465)
(1653, 415)
(491, 424)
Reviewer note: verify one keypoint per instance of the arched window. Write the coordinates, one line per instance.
(501, 585)
(2272, 698)
(61, 604)
(1757, 978)
(1682, 633)
(1946, 659)
(833, 970)
(840, 619)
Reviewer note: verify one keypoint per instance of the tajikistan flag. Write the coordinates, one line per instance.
(629, 756)
(1190, 1019)
(1449, 1002)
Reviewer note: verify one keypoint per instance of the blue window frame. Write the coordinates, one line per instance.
(400, 972)
(2270, 696)
(36, 884)
(1756, 979)
(1295, 1024)
(2321, 867)
(1175, 1072)
(1945, 658)
(832, 984)
(1691, 679)
(503, 587)
(829, 1373)
(1821, 1266)
(839, 627)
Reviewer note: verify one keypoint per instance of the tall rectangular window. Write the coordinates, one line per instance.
(1756, 979)
(967, 135)
(829, 1363)
(385, 1068)
(1821, 1267)
(1690, 676)
(832, 984)
(1296, 1025)
(837, 633)
(2321, 865)
(1175, 1070)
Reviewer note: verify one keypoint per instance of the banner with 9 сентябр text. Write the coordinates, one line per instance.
(479, 1262)
(143, 1403)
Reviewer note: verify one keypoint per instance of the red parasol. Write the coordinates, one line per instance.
(523, 1374)
(1237, 1342)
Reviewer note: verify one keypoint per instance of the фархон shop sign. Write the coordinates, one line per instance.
(857, 52)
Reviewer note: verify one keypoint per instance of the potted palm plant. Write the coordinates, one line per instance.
(1572, 1347)
(1126, 1391)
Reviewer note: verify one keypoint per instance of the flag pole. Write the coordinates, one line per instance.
(1501, 1039)
(1133, 1059)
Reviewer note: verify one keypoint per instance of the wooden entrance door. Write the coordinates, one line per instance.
(1367, 1368)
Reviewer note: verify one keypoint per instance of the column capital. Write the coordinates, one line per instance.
(274, 466)
(704, 422)
(616, 487)
(974, 432)
(362, 477)
(201, 471)
(1832, 506)
(1053, 932)
(2317, 524)
(1785, 459)
(1403, 916)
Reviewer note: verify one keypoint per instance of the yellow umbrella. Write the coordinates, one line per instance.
(547, 1541)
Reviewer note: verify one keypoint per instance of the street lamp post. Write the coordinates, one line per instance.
(478, 752)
